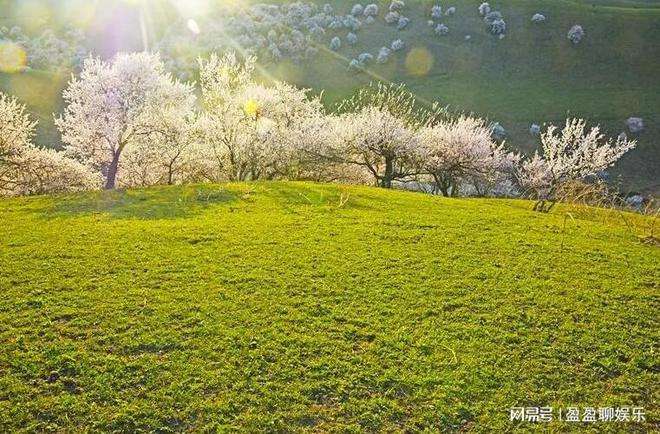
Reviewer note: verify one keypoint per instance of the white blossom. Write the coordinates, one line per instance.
(441, 30)
(377, 140)
(538, 18)
(635, 125)
(335, 43)
(575, 34)
(397, 5)
(570, 154)
(383, 55)
(112, 104)
(498, 131)
(365, 58)
(371, 10)
(397, 45)
(461, 151)
(27, 169)
(535, 130)
(392, 17)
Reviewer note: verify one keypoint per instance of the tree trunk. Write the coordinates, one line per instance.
(112, 171)
(386, 181)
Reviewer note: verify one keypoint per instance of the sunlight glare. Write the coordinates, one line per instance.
(13, 58)
(193, 26)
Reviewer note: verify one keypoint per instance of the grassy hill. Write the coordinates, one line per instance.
(295, 306)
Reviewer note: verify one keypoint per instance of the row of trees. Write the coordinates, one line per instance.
(127, 123)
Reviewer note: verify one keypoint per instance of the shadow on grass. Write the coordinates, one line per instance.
(151, 203)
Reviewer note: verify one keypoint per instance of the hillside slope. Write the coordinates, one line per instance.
(297, 306)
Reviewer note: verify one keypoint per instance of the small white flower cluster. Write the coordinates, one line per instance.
(495, 22)
(538, 18)
(397, 45)
(383, 55)
(575, 34)
(635, 125)
(441, 30)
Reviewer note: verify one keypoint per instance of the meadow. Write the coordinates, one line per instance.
(290, 306)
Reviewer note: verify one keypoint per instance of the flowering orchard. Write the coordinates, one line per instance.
(127, 122)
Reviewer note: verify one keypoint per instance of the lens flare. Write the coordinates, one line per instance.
(12, 57)
(419, 61)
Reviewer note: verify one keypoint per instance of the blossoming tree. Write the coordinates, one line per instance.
(112, 104)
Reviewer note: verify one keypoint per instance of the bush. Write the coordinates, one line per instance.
(403, 23)
(351, 38)
(335, 43)
(450, 11)
(392, 17)
(365, 58)
(327, 9)
(538, 18)
(397, 45)
(575, 34)
(369, 20)
(397, 5)
(498, 27)
(371, 10)
(436, 12)
(354, 65)
(534, 130)
(383, 55)
(498, 131)
(635, 125)
(484, 9)
(441, 30)
(357, 9)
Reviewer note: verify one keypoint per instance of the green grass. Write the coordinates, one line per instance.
(278, 307)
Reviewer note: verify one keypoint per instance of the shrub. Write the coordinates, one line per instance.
(441, 30)
(450, 10)
(397, 45)
(369, 20)
(392, 17)
(327, 9)
(484, 8)
(403, 23)
(335, 43)
(371, 10)
(365, 58)
(498, 131)
(397, 5)
(575, 34)
(351, 38)
(383, 55)
(635, 125)
(498, 27)
(354, 65)
(538, 18)
(357, 9)
(534, 130)
(436, 12)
